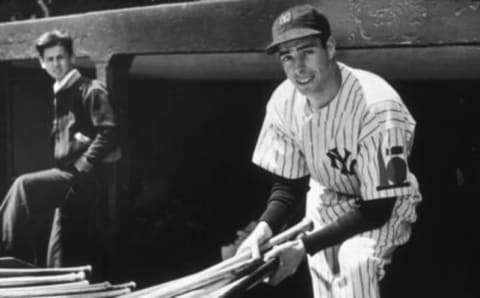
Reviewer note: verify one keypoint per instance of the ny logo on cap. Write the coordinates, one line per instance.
(285, 18)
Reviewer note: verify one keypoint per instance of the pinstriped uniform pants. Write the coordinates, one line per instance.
(354, 268)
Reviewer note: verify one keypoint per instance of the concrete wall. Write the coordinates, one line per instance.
(241, 26)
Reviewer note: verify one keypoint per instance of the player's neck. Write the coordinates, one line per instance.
(325, 95)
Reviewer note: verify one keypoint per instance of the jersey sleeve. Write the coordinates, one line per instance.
(384, 147)
(276, 150)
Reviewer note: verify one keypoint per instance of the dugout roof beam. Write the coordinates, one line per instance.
(231, 26)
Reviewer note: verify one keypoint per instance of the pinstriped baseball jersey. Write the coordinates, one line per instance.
(355, 147)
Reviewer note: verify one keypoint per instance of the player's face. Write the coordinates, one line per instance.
(56, 61)
(307, 63)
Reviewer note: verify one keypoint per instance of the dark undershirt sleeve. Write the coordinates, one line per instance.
(285, 196)
(369, 215)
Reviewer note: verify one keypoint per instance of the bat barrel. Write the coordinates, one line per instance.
(249, 281)
(202, 283)
(10, 272)
(68, 282)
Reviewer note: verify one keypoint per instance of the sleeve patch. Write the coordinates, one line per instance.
(392, 168)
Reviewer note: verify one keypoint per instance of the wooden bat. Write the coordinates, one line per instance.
(225, 275)
(131, 285)
(216, 272)
(20, 291)
(205, 291)
(101, 294)
(39, 280)
(239, 287)
(224, 278)
(50, 290)
(87, 290)
(9, 272)
(303, 226)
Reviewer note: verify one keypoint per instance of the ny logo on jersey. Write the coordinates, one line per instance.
(392, 168)
(340, 162)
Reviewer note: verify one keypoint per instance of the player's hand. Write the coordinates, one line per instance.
(257, 237)
(290, 255)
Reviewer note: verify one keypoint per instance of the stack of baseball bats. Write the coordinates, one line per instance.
(68, 282)
(227, 279)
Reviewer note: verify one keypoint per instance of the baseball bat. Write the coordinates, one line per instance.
(9, 272)
(19, 291)
(239, 287)
(104, 289)
(101, 294)
(50, 290)
(224, 278)
(236, 287)
(39, 280)
(205, 291)
(131, 285)
(301, 227)
(221, 270)
(115, 290)
(206, 279)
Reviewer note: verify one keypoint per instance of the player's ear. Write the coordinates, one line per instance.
(42, 63)
(330, 47)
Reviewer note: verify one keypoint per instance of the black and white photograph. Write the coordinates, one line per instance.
(239, 148)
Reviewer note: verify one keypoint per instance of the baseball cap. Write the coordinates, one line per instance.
(297, 22)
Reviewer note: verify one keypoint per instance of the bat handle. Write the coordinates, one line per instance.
(252, 279)
(303, 226)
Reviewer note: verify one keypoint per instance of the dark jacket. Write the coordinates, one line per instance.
(85, 127)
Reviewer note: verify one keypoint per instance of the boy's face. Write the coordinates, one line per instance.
(56, 61)
(307, 63)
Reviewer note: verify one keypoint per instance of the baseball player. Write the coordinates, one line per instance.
(85, 139)
(346, 133)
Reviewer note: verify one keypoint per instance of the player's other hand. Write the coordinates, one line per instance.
(257, 237)
(290, 255)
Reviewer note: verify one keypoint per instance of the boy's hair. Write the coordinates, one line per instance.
(54, 38)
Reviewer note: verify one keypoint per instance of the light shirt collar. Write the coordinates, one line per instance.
(71, 77)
